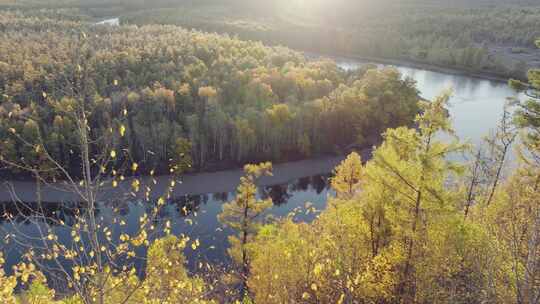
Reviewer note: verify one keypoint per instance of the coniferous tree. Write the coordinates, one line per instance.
(243, 215)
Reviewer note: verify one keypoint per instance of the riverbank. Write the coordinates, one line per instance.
(406, 62)
(412, 64)
(486, 75)
(190, 184)
(113, 21)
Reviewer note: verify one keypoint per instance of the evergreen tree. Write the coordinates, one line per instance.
(347, 176)
(243, 215)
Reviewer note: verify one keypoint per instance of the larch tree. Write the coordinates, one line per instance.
(412, 165)
(517, 214)
(347, 176)
(528, 114)
(167, 280)
(500, 145)
(514, 221)
(243, 215)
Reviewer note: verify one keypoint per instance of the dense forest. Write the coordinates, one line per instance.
(482, 37)
(491, 39)
(410, 225)
(172, 91)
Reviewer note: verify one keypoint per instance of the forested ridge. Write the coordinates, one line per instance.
(482, 37)
(485, 37)
(170, 91)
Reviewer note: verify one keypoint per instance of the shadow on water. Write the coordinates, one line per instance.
(190, 215)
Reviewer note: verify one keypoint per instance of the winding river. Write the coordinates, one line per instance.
(299, 188)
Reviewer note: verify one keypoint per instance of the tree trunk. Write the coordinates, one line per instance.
(529, 292)
(497, 175)
(245, 265)
(474, 183)
(407, 289)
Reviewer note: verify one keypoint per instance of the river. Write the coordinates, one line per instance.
(476, 106)
(112, 21)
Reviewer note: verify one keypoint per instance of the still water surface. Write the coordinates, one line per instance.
(476, 105)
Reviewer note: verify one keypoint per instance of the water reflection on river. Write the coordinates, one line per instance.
(476, 104)
(192, 215)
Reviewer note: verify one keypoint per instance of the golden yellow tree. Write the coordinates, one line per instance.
(243, 214)
(347, 176)
(167, 280)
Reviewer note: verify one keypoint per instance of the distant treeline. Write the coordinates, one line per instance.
(458, 36)
(483, 36)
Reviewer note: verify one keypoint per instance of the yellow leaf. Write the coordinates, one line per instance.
(135, 185)
(122, 130)
(113, 154)
(318, 268)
